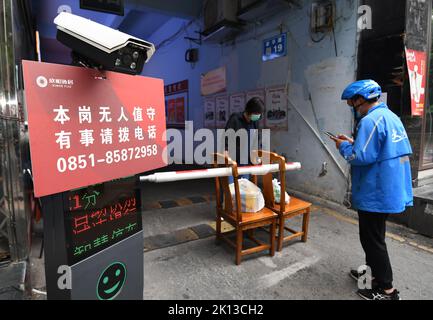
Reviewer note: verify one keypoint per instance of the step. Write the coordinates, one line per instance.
(424, 193)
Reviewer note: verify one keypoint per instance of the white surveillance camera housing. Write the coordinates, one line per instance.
(98, 46)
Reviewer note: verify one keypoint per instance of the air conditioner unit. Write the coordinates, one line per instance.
(219, 11)
(251, 10)
(246, 5)
(220, 18)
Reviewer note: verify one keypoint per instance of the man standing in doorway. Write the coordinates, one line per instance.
(381, 179)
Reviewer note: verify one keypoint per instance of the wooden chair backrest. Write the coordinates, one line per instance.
(268, 190)
(223, 160)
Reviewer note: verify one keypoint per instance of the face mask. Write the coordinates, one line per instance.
(356, 114)
(255, 117)
(355, 109)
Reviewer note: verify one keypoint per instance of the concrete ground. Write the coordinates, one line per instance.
(182, 261)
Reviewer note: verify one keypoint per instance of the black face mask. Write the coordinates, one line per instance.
(358, 114)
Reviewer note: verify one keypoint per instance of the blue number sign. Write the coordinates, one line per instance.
(275, 47)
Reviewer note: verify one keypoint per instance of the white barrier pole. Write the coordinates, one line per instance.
(216, 172)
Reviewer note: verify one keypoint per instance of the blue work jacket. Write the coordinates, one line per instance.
(381, 175)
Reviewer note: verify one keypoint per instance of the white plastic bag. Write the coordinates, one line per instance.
(277, 191)
(252, 199)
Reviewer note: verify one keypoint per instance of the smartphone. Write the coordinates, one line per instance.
(331, 135)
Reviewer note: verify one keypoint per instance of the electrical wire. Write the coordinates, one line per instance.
(335, 40)
(317, 40)
(174, 36)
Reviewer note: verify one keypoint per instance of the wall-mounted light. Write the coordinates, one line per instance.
(191, 55)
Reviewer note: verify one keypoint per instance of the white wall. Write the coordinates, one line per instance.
(310, 70)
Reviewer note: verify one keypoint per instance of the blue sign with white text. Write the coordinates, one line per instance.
(275, 47)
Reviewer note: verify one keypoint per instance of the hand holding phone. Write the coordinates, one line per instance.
(331, 135)
(339, 137)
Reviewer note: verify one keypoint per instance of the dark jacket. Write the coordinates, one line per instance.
(236, 122)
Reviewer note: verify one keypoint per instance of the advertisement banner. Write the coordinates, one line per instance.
(417, 68)
(88, 127)
(213, 81)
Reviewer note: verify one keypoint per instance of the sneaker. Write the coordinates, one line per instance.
(378, 294)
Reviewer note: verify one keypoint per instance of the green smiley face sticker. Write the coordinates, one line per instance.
(111, 281)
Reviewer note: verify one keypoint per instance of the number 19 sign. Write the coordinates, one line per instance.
(275, 47)
(88, 127)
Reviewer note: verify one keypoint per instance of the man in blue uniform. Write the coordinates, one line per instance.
(381, 179)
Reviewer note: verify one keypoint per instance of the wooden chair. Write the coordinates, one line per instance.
(285, 210)
(241, 221)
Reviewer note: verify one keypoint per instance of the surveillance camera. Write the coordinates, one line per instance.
(96, 45)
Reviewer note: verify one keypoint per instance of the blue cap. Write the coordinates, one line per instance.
(368, 89)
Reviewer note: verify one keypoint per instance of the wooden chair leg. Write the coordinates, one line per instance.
(272, 239)
(218, 229)
(305, 221)
(239, 240)
(280, 233)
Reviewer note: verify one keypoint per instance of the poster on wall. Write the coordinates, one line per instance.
(221, 111)
(176, 104)
(209, 113)
(258, 93)
(213, 81)
(417, 68)
(237, 103)
(276, 108)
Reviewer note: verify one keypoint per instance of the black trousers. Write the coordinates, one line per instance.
(372, 228)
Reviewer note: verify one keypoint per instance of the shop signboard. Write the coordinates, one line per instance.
(90, 133)
(87, 127)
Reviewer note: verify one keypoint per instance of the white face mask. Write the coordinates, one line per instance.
(255, 117)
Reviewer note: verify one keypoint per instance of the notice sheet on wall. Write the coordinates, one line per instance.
(222, 111)
(209, 112)
(276, 108)
(237, 102)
